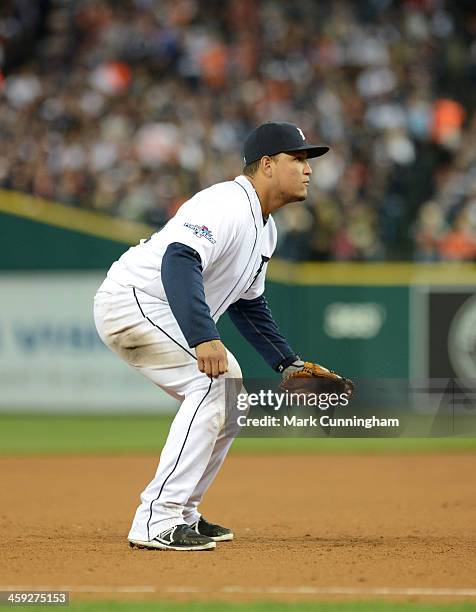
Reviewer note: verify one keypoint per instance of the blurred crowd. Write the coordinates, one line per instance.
(130, 107)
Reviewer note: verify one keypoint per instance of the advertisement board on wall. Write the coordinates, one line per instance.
(51, 358)
(444, 332)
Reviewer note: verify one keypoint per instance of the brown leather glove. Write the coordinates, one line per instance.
(307, 377)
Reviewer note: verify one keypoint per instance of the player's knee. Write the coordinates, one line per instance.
(234, 370)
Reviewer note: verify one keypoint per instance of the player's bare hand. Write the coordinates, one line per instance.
(212, 358)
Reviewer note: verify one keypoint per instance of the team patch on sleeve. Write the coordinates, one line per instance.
(201, 230)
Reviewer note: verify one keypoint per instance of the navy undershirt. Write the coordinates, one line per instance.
(255, 322)
(183, 284)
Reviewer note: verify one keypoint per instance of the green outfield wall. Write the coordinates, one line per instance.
(365, 320)
(349, 328)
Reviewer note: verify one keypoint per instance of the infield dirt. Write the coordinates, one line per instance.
(299, 521)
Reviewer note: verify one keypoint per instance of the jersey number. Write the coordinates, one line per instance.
(264, 260)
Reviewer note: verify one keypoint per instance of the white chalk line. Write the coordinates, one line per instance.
(304, 590)
(299, 590)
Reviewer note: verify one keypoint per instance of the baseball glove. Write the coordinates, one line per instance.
(314, 378)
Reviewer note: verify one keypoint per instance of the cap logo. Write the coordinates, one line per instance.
(301, 132)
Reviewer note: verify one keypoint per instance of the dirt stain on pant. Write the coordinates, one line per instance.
(144, 349)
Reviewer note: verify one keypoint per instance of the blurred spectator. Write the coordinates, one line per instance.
(431, 225)
(22, 25)
(129, 107)
(447, 123)
(459, 243)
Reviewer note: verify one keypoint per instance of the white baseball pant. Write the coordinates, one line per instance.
(143, 331)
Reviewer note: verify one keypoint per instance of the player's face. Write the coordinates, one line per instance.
(292, 175)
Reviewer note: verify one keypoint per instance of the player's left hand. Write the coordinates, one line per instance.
(306, 377)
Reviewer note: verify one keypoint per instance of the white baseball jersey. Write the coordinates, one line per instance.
(225, 225)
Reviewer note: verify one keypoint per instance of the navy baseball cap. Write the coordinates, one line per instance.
(272, 138)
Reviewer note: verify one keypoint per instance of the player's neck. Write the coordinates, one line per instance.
(267, 202)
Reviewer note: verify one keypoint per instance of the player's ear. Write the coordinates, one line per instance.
(266, 164)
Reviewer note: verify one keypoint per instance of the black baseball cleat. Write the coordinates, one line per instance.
(215, 532)
(180, 537)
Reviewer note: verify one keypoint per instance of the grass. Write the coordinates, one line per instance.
(260, 606)
(22, 434)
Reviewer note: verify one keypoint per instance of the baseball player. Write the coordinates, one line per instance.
(158, 309)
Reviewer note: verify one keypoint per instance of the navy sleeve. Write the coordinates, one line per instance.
(183, 284)
(255, 322)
